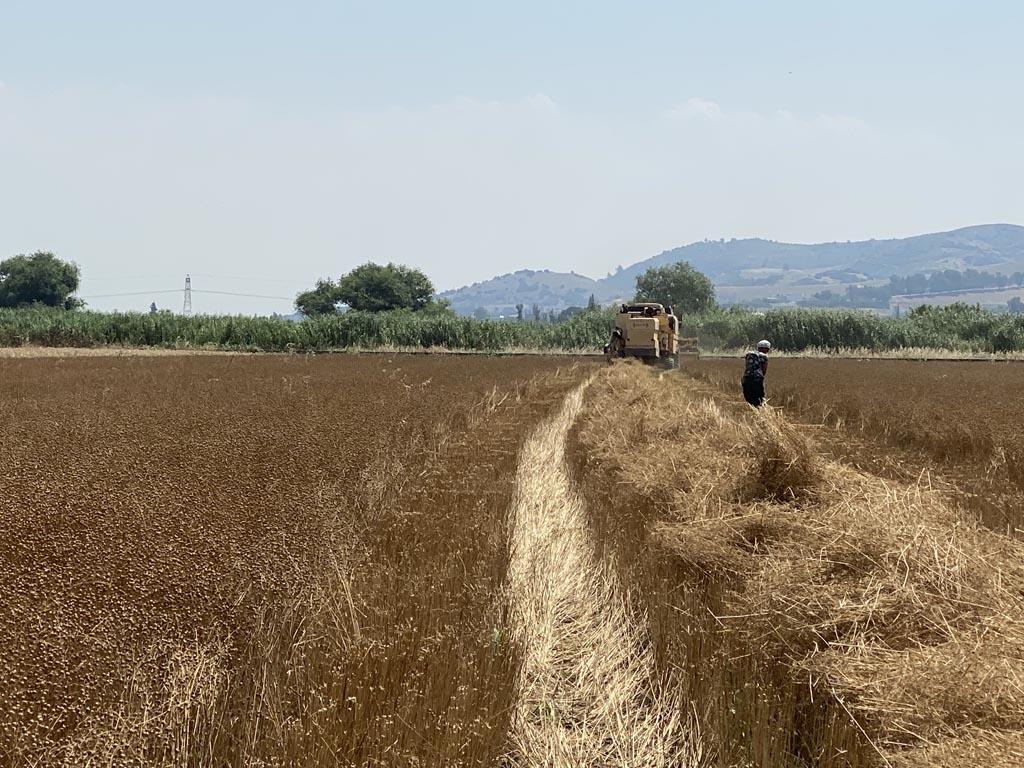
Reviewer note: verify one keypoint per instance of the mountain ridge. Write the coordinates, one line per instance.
(757, 266)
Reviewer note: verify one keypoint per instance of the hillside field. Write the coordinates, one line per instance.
(409, 560)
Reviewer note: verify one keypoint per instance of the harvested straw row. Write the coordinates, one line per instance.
(585, 694)
(908, 615)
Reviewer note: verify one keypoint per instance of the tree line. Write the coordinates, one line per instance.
(395, 306)
(879, 296)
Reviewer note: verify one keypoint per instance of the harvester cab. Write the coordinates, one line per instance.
(649, 332)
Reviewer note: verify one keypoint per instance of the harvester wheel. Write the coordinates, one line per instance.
(670, 362)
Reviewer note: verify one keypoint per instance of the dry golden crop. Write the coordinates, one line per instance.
(264, 560)
(960, 420)
(811, 613)
(419, 560)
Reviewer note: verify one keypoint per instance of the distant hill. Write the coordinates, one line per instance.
(986, 246)
(755, 267)
(499, 295)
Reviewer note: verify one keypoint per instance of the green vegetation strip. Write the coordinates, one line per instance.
(957, 328)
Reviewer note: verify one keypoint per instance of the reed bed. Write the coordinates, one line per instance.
(351, 330)
(958, 329)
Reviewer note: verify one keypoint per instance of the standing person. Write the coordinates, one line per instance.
(756, 367)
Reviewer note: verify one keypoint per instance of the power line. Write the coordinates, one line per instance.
(194, 290)
(244, 295)
(94, 277)
(134, 293)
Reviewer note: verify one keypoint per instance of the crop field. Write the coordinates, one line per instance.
(231, 560)
(960, 421)
(810, 610)
(415, 560)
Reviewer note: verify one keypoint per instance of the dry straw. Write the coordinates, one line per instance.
(586, 696)
(896, 608)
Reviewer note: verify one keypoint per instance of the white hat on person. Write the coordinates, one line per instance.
(764, 344)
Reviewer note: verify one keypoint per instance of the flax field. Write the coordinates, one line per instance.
(439, 560)
(235, 560)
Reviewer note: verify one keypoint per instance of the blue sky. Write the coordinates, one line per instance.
(262, 145)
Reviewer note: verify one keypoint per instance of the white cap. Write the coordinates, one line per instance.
(764, 344)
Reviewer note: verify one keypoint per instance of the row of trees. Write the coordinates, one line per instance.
(375, 288)
(879, 296)
(395, 305)
(538, 314)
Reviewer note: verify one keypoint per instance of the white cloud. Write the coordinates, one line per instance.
(543, 103)
(696, 110)
(696, 107)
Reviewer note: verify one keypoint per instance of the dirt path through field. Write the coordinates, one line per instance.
(586, 695)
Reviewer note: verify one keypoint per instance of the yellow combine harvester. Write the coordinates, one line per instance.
(649, 332)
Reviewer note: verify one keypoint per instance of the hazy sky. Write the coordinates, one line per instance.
(262, 145)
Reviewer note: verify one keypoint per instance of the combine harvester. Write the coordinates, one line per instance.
(649, 332)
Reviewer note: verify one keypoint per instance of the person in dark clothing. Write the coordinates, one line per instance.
(754, 371)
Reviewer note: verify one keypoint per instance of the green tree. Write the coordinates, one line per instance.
(592, 304)
(519, 312)
(1015, 306)
(321, 300)
(373, 288)
(480, 313)
(678, 284)
(40, 278)
(437, 308)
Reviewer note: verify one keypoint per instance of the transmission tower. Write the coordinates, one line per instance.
(186, 308)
